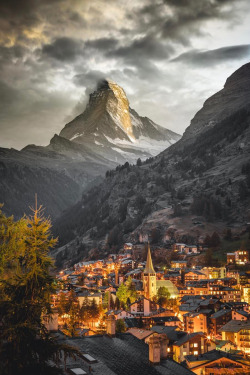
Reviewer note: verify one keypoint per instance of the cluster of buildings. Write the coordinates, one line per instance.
(202, 328)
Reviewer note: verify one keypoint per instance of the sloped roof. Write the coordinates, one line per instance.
(220, 313)
(122, 355)
(187, 337)
(235, 326)
(140, 333)
(214, 355)
(149, 265)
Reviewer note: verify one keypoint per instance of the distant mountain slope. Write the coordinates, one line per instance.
(106, 134)
(199, 184)
(234, 96)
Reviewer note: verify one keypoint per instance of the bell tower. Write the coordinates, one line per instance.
(149, 278)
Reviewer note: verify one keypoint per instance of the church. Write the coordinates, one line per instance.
(151, 284)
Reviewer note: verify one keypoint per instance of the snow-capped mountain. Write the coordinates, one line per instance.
(114, 129)
(106, 134)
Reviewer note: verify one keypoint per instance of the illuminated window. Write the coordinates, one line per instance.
(195, 345)
(195, 352)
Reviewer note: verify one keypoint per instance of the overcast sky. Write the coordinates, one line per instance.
(168, 55)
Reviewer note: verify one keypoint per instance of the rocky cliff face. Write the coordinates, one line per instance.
(106, 134)
(198, 185)
(234, 96)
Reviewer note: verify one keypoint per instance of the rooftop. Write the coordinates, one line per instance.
(220, 313)
(213, 355)
(121, 355)
(235, 326)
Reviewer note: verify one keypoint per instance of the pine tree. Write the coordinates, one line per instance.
(120, 326)
(25, 289)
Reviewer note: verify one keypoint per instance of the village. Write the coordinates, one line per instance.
(195, 316)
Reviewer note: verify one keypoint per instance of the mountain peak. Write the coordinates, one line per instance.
(116, 105)
(241, 74)
(109, 125)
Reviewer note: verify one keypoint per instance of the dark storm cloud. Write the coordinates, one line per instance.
(69, 49)
(208, 58)
(178, 20)
(102, 44)
(145, 47)
(7, 54)
(24, 11)
(64, 49)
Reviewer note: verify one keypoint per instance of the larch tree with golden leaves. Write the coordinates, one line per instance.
(25, 288)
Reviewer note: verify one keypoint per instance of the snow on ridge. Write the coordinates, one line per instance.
(76, 136)
(98, 143)
(151, 146)
(135, 121)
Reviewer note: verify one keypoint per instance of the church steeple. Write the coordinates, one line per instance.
(149, 265)
(149, 278)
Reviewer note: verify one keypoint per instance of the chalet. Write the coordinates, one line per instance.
(86, 296)
(144, 307)
(179, 247)
(218, 320)
(239, 257)
(120, 314)
(190, 344)
(190, 249)
(182, 343)
(230, 258)
(238, 332)
(214, 272)
(218, 362)
(128, 246)
(193, 276)
(196, 321)
(240, 315)
(179, 264)
(225, 345)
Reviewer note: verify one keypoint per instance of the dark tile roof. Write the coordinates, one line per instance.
(235, 326)
(132, 322)
(187, 337)
(244, 313)
(220, 313)
(171, 332)
(122, 355)
(166, 319)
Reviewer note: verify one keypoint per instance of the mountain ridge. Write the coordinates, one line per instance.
(205, 176)
(81, 162)
(109, 121)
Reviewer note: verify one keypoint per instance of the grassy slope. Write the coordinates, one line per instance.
(231, 246)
